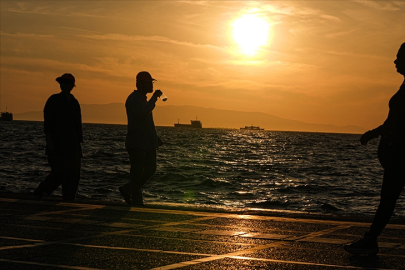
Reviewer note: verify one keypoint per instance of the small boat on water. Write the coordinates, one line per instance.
(6, 116)
(194, 124)
(252, 127)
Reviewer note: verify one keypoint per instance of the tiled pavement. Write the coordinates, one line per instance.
(57, 235)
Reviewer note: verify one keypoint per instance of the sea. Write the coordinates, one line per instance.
(212, 167)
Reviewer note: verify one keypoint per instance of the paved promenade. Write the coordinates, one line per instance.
(56, 235)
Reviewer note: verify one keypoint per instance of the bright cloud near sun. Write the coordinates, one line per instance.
(250, 32)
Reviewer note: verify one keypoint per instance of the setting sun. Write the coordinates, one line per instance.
(250, 32)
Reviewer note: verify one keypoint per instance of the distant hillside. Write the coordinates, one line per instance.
(114, 113)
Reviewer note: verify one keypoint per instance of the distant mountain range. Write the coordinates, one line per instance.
(114, 113)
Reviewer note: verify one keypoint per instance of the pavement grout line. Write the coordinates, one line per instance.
(305, 238)
(124, 232)
(218, 257)
(185, 222)
(139, 249)
(72, 230)
(46, 243)
(83, 217)
(21, 239)
(379, 254)
(49, 265)
(18, 246)
(209, 214)
(257, 248)
(209, 257)
(174, 223)
(42, 216)
(125, 225)
(159, 224)
(235, 255)
(197, 261)
(254, 249)
(305, 263)
(305, 234)
(62, 211)
(313, 237)
(320, 233)
(191, 240)
(8, 200)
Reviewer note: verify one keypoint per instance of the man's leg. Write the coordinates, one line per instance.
(70, 186)
(137, 158)
(56, 177)
(126, 192)
(393, 184)
(150, 166)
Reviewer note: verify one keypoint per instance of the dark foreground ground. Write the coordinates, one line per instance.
(89, 235)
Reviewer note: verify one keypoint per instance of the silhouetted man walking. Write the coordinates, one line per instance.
(142, 140)
(63, 131)
(391, 153)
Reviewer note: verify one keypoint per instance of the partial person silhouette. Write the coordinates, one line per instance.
(64, 135)
(142, 140)
(391, 153)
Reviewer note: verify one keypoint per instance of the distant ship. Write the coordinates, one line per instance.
(251, 128)
(194, 124)
(6, 116)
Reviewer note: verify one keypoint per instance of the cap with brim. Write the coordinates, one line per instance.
(67, 77)
(144, 76)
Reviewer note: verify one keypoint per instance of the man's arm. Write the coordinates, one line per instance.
(140, 108)
(80, 123)
(371, 134)
(49, 115)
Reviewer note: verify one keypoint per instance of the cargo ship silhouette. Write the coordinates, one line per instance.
(6, 116)
(194, 124)
(251, 128)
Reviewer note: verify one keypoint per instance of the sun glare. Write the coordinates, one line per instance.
(250, 32)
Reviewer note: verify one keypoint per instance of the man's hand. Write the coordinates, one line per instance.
(157, 93)
(366, 137)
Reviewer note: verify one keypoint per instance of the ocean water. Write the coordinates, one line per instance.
(314, 172)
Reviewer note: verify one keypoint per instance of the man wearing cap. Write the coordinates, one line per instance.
(63, 131)
(142, 140)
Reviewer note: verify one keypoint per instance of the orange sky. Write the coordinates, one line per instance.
(327, 62)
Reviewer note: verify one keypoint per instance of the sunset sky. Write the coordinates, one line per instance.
(326, 62)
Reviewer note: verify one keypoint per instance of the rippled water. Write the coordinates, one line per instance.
(315, 172)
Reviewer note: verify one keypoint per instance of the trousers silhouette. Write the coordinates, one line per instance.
(65, 171)
(143, 167)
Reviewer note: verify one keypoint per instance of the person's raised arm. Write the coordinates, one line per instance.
(371, 134)
(138, 108)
